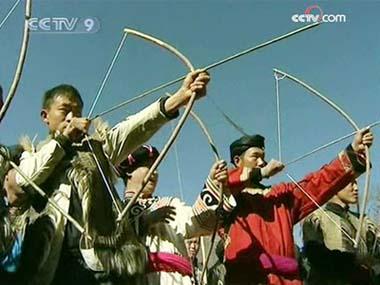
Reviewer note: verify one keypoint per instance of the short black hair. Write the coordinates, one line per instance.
(66, 90)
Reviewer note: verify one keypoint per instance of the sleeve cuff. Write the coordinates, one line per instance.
(234, 182)
(164, 112)
(64, 142)
(356, 160)
(229, 202)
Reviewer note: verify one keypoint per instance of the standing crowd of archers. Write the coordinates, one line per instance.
(158, 240)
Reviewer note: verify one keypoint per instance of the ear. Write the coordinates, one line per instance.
(44, 116)
(237, 160)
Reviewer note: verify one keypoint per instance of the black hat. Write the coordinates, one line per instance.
(138, 158)
(245, 142)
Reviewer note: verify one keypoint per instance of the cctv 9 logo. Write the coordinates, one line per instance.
(65, 25)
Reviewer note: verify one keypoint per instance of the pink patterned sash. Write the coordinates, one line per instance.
(169, 262)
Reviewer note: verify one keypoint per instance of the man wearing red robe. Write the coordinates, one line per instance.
(260, 243)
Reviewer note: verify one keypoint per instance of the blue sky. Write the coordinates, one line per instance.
(339, 59)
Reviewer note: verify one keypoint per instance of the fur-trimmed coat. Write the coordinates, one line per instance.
(60, 173)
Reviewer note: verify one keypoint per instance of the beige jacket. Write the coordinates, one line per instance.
(320, 227)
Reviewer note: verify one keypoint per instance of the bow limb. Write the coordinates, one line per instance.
(21, 61)
(162, 44)
(355, 127)
(182, 120)
(176, 131)
(207, 134)
(190, 66)
(221, 196)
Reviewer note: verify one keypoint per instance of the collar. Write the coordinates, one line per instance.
(337, 209)
(130, 193)
(256, 191)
